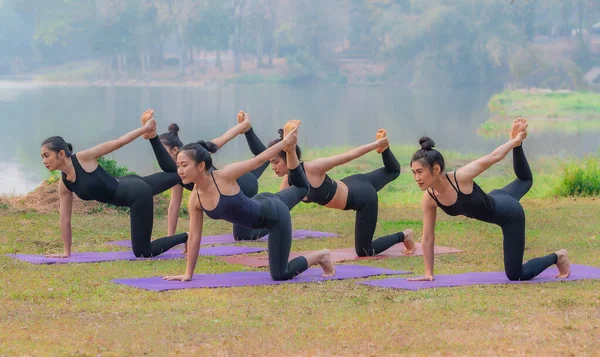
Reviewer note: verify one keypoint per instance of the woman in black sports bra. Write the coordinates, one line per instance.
(217, 193)
(457, 194)
(167, 145)
(82, 175)
(356, 192)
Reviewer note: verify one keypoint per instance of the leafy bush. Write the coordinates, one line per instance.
(581, 178)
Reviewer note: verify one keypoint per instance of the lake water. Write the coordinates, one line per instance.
(331, 116)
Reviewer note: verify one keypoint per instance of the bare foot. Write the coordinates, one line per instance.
(563, 264)
(148, 114)
(409, 242)
(290, 125)
(519, 125)
(244, 118)
(382, 135)
(287, 128)
(327, 264)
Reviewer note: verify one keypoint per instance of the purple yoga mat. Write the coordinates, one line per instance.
(254, 278)
(578, 272)
(228, 238)
(93, 257)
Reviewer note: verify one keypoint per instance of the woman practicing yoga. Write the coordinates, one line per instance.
(82, 175)
(357, 192)
(218, 194)
(457, 194)
(167, 145)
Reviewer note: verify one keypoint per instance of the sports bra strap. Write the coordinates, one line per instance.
(451, 184)
(213, 177)
(433, 196)
(456, 181)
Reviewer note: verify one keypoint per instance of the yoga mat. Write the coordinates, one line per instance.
(340, 255)
(228, 238)
(254, 278)
(578, 272)
(93, 257)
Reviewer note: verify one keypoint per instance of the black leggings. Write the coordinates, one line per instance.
(362, 197)
(299, 181)
(276, 219)
(256, 147)
(248, 182)
(510, 216)
(137, 193)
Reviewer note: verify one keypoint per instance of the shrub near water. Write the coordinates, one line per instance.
(581, 178)
(109, 165)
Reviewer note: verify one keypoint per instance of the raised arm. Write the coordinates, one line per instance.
(194, 239)
(234, 171)
(429, 217)
(66, 209)
(106, 148)
(325, 164)
(242, 126)
(475, 168)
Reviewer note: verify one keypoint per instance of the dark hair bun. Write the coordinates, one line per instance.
(426, 143)
(209, 146)
(280, 131)
(70, 147)
(174, 128)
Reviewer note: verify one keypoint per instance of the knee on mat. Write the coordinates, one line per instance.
(279, 276)
(513, 276)
(142, 254)
(364, 253)
(239, 238)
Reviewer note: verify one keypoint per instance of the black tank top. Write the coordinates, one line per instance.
(477, 204)
(237, 209)
(323, 194)
(96, 185)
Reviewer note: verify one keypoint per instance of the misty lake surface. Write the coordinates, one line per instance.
(331, 116)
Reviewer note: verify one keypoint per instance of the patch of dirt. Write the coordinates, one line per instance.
(44, 199)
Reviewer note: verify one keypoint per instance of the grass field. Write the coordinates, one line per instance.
(75, 309)
(564, 112)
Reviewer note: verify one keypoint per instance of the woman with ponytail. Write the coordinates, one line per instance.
(82, 175)
(357, 192)
(167, 145)
(457, 194)
(217, 193)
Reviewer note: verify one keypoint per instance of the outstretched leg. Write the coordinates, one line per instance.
(161, 181)
(521, 185)
(165, 161)
(256, 147)
(388, 173)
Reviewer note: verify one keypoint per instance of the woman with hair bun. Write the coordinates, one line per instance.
(82, 175)
(166, 146)
(356, 192)
(457, 194)
(217, 193)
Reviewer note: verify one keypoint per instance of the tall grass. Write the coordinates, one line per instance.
(581, 178)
